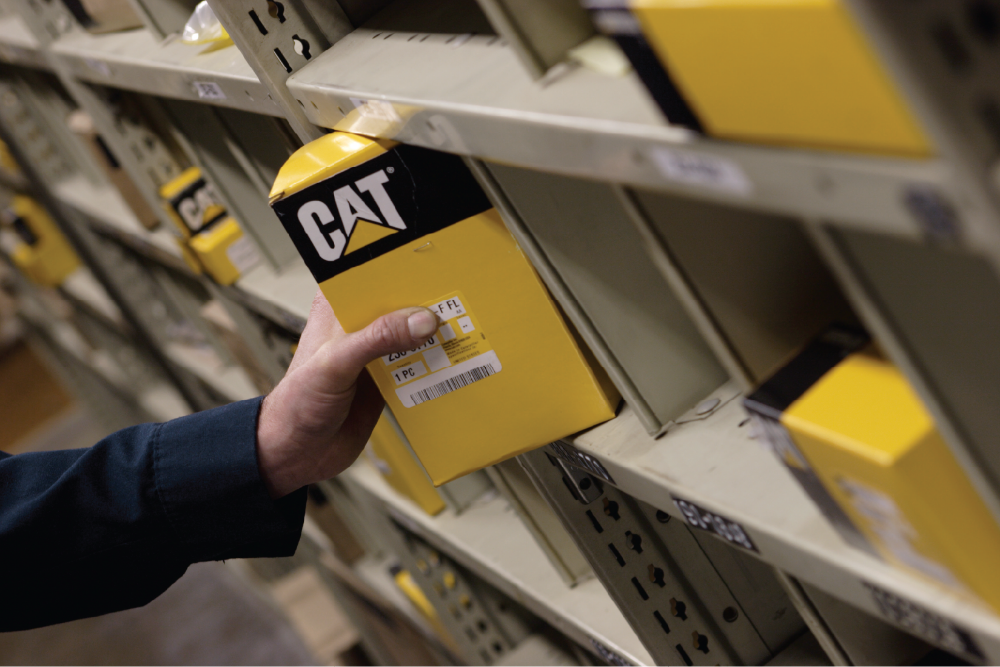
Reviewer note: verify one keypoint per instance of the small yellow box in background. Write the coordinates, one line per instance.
(191, 202)
(224, 251)
(850, 418)
(42, 253)
(793, 73)
(392, 458)
(383, 226)
(211, 242)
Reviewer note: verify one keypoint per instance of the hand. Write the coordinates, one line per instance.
(317, 420)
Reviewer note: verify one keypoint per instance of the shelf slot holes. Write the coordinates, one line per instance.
(678, 609)
(281, 59)
(634, 541)
(638, 587)
(662, 621)
(594, 522)
(611, 509)
(257, 22)
(301, 47)
(684, 656)
(617, 554)
(276, 10)
(656, 576)
(700, 642)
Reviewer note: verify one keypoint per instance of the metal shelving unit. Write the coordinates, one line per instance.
(439, 75)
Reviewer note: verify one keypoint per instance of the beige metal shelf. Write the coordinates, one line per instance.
(716, 462)
(137, 60)
(471, 96)
(18, 46)
(230, 381)
(490, 540)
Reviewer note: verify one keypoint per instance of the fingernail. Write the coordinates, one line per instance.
(421, 324)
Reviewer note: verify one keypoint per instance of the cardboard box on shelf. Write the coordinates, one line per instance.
(39, 249)
(81, 124)
(383, 226)
(795, 73)
(849, 426)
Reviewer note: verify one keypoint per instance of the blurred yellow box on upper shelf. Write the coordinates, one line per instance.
(211, 241)
(855, 423)
(41, 252)
(789, 72)
(383, 226)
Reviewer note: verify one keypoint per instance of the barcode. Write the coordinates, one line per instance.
(451, 384)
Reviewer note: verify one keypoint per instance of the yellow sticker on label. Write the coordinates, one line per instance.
(455, 357)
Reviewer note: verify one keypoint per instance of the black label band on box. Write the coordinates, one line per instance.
(380, 205)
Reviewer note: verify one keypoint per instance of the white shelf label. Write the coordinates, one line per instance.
(709, 171)
(208, 90)
(727, 529)
(608, 655)
(98, 66)
(924, 623)
(574, 456)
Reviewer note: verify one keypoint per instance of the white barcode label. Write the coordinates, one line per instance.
(243, 254)
(701, 169)
(208, 90)
(448, 380)
(98, 66)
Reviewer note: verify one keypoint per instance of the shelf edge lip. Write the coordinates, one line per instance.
(146, 75)
(818, 185)
(18, 46)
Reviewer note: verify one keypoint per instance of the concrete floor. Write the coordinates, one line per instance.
(209, 617)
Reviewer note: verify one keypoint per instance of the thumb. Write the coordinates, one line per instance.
(402, 330)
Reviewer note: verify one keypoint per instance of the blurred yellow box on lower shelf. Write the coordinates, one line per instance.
(848, 416)
(388, 453)
(224, 251)
(41, 252)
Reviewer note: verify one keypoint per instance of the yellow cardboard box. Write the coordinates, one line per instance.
(857, 425)
(391, 457)
(42, 253)
(214, 241)
(224, 251)
(383, 226)
(788, 72)
(191, 202)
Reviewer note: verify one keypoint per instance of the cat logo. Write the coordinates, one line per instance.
(359, 224)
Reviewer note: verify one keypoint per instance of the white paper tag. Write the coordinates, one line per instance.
(709, 171)
(98, 66)
(378, 109)
(243, 254)
(410, 372)
(448, 380)
(396, 356)
(208, 90)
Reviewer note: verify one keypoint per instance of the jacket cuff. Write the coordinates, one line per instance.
(209, 484)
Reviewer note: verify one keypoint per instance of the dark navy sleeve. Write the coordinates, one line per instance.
(90, 531)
